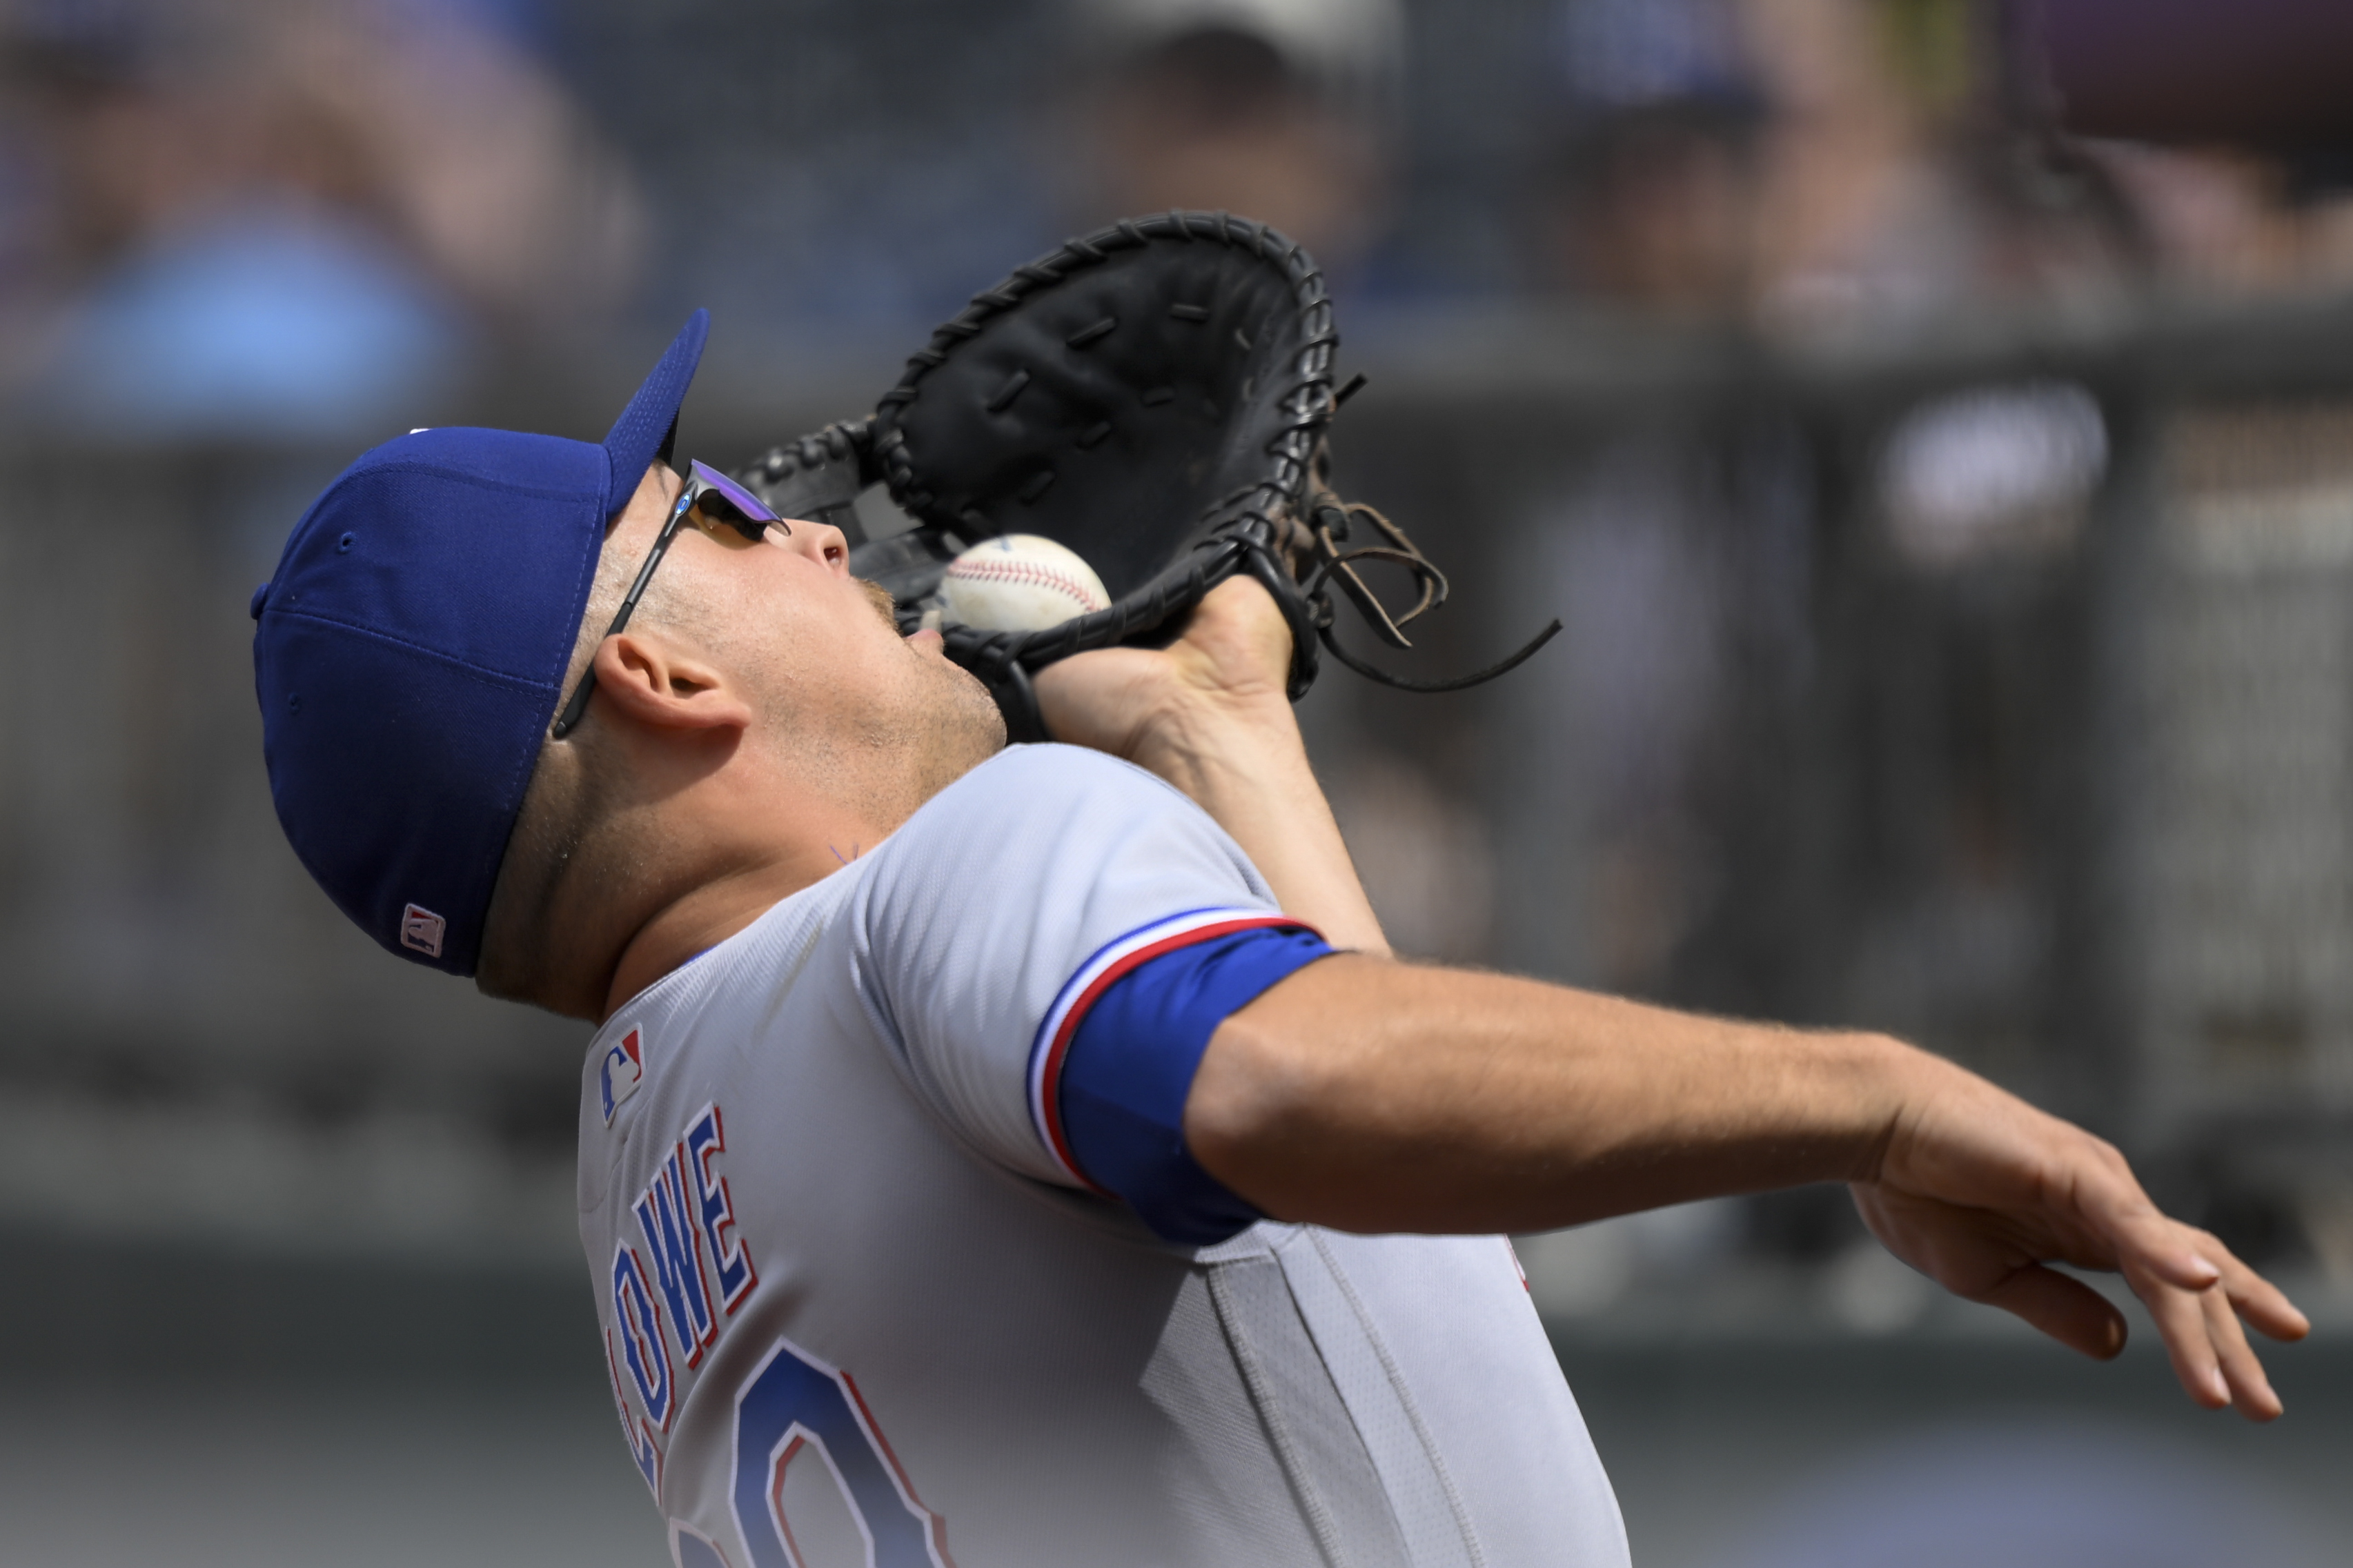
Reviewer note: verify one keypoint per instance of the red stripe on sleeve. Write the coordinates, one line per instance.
(1050, 1094)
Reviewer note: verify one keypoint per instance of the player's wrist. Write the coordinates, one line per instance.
(1199, 732)
(1872, 1091)
(1928, 1109)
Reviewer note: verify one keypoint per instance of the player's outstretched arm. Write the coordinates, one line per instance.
(1377, 1096)
(1208, 714)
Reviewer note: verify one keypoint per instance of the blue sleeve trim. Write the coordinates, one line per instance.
(1130, 1065)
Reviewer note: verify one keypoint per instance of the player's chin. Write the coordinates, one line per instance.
(983, 721)
(960, 726)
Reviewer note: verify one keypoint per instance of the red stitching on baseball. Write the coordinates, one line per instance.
(1032, 574)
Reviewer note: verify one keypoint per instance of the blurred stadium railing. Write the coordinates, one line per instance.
(1987, 681)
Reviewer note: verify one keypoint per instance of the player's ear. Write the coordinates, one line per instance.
(655, 682)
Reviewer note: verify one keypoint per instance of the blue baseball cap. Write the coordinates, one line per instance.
(411, 646)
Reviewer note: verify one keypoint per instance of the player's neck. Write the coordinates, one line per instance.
(684, 850)
(724, 892)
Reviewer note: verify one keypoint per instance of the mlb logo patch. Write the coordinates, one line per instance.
(623, 1068)
(421, 928)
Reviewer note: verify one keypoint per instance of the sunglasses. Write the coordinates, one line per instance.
(709, 500)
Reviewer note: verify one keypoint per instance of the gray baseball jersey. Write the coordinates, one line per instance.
(862, 1302)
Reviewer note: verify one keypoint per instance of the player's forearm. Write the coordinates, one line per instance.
(1377, 1096)
(1247, 767)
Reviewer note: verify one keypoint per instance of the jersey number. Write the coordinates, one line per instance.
(795, 1402)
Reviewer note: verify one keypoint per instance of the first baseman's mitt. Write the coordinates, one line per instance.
(1155, 397)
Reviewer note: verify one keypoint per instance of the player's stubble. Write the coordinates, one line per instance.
(946, 722)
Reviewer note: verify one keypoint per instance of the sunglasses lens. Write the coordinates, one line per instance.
(725, 494)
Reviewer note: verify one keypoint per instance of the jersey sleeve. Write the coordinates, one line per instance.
(1121, 1061)
(1046, 945)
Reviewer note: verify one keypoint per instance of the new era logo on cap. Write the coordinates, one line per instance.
(421, 928)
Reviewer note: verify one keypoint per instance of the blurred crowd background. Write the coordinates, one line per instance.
(1931, 419)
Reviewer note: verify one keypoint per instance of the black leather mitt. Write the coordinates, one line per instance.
(1155, 397)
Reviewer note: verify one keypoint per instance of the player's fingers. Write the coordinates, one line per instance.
(2180, 1318)
(2067, 1310)
(2153, 1255)
(2179, 1264)
(2151, 1246)
(2250, 1391)
(2262, 1303)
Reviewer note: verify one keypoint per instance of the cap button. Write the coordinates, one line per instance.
(260, 597)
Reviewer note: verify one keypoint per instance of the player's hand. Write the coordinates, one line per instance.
(1211, 714)
(1223, 681)
(1981, 1193)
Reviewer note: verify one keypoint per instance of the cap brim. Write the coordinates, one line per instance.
(642, 432)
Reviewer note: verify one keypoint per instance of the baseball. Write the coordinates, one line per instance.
(1020, 582)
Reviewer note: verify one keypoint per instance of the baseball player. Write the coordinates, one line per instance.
(1031, 1155)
